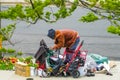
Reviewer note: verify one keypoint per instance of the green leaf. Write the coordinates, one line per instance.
(47, 15)
(90, 17)
(10, 50)
(111, 29)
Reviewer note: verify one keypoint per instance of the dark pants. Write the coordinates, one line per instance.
(71, 50)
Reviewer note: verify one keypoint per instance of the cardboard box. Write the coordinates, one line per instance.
(22, 69)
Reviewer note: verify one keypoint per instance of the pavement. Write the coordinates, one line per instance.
(10, 75)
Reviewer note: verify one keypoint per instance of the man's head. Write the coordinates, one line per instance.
(51, 33)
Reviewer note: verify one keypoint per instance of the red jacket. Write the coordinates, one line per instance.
(64, 38)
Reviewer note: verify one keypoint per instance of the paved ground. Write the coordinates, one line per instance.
(10, 75)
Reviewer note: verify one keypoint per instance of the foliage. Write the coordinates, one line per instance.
(28, 60)
(7, 31)
(90, 17)
(114, 30)
(9, 52)
(100, 9)
(11, 56)
(33, 64)
(104, 9)
(37, 11)
(7, 63)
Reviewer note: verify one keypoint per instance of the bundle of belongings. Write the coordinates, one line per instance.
(81, 64)
(96, 63)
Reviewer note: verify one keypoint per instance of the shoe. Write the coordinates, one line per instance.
(90, 74)
(108, 73)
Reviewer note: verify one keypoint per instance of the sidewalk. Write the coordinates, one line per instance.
(10, 75)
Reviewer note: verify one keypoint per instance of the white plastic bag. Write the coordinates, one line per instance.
(82, 71)
(90, 63)
(41, 73)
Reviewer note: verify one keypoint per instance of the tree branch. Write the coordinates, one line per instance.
(6, 38)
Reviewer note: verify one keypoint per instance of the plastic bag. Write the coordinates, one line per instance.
(82, 71)
(90, 64)
(98, 58)
(42, 73)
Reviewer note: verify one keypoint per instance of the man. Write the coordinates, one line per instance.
(64, 38)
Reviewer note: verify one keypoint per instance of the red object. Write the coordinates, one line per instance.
(41, 66)
(13, 61)
(74, 56)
